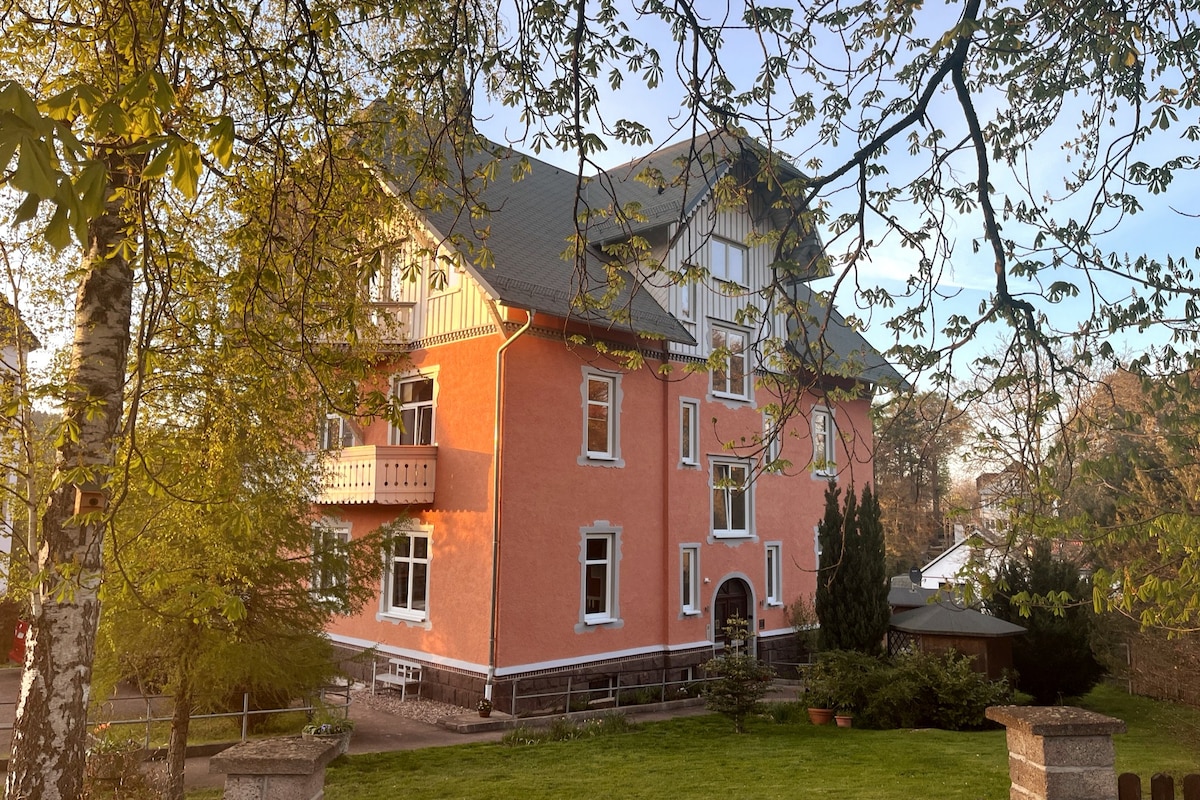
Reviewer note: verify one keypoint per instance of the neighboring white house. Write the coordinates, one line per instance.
(970, 554)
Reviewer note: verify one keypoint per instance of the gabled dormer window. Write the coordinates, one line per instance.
(727, 261)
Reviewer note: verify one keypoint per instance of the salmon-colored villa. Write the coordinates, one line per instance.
(571, 516)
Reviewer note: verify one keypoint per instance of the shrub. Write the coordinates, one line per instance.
(910, 691)
(1048, 597)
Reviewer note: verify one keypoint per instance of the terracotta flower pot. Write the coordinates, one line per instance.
(844, 720)
(483, 713)
(820, 716)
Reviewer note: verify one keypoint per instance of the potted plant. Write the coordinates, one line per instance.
(485, 707)
(330, 728)
(843, 715)
(818, 695)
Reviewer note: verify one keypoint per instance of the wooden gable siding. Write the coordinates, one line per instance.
(460, 306)
(711, 301)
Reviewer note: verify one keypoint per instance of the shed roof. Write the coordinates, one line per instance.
(952, 620)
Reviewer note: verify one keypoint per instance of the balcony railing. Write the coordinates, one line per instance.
(388, 475)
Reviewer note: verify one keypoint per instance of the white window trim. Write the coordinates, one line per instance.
(746, 395)
(689, 434)
(689, 583)
(321, 529)
(731, 533)
(773, 562)
(429, 373)
(386, 609)
(345, 431)
(686, 298)
(611, 458)
(721, 273)
(824, 463)
(772, 442)
(611, 618)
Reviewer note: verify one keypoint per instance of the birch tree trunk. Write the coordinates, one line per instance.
(50, 734)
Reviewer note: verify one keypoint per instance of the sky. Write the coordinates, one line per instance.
(968, 280)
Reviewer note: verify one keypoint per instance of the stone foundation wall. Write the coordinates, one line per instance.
(659, 675)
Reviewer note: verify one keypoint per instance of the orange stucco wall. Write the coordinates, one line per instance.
(548, 497)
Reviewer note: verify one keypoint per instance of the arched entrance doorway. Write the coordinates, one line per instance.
(732, 600)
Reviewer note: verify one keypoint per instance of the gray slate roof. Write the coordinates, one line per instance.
(527, 232)
(952, 620)
(531, 223)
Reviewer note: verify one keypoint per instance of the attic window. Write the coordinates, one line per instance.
(727, 261)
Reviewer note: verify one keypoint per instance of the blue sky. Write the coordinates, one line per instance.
(968, 278)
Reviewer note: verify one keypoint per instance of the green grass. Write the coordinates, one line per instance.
(1160, 737)
(699, 757)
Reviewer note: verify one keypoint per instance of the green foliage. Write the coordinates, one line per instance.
(741, 679)
(563, 729)
(1047, 596)
(852, 587)
(915, 690)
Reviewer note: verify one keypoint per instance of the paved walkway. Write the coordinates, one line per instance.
(375, 731)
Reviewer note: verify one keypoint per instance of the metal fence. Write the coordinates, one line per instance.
(333, 699)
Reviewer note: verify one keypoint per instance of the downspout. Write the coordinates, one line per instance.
(670, 561)
(491, 671)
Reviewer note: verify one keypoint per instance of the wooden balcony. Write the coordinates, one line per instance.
(388, 475)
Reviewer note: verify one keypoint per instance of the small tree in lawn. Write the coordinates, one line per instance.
(742, 680)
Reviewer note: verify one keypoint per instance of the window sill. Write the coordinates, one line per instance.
(732, 535)
(689, 465)
(774, 604)
(397, 616)
(691, 612)
(600, 620)
(739, 398)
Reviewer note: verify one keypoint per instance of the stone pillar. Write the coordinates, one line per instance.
(1059, 752)
(274, 769)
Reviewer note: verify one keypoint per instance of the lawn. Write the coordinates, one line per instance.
(700, 757)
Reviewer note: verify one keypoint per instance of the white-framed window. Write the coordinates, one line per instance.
(727, 261)
(686, 290)
(414, 399)
(599, 557)
(689, 578)
(601, 397)
(772, 446)
(689, 432)
(731, 376)
(336, 433)
(774, 559)
(601, 416)
(824, 436)
(329, 565)
(731, 506)
(406, 581)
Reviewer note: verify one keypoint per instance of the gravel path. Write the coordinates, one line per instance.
(417, 708)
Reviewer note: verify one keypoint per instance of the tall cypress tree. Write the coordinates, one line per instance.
(851, 599)
(872, 589)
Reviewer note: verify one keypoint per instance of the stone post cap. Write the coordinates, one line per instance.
(281, 756)
(1055, 720)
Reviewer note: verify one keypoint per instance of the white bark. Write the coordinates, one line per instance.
(50, 735)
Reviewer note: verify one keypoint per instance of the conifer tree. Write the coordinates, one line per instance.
(851, 600)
